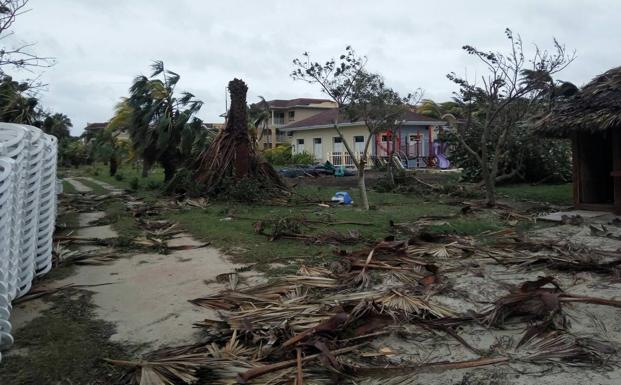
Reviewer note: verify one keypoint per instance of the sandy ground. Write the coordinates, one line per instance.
(477, 285)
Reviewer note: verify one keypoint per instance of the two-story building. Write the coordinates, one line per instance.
(283, 112)
(411, 140)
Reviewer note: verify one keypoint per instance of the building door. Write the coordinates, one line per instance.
(317, 149)
(358, 144)
(299, 146)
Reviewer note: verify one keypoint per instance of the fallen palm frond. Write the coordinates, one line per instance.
(262, 370)
(565, 348)
(550, 348)
(166, 370)
(396, 303)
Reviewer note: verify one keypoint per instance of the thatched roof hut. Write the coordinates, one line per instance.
(591, 118)
(596, 107)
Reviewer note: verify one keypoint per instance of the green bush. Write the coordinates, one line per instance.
(134, 184)
(153, 185)
(536, 158)
(303, 158)
(246, 190)
(119, 176)
(282, 156)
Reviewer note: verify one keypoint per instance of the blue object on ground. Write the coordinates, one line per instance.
(342, 197)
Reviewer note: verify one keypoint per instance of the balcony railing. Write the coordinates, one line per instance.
(278, 122)
(342, 158)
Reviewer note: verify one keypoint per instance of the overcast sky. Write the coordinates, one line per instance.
(101, 45)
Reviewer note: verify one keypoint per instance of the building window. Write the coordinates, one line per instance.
(300, 141)
(384, 138)
(338, 139)
(279, 118)
(291, 115)
(317, 140)
(358, 139)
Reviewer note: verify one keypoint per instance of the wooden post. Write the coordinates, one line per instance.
(575, 157)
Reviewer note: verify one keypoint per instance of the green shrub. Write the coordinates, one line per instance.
(282, 156)
(134, 184)
(303, 158)
(184, 183)
(279, 156)
(153, 185)
(119, 176)
(94, 171)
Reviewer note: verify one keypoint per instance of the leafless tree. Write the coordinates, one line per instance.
(15, 54)
(360, 96)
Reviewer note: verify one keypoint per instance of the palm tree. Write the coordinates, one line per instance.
(16, 106)
(58, 125)
(158, 118)
(258, 118)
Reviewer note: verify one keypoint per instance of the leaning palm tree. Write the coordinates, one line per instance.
(158, 118)
(258, 118)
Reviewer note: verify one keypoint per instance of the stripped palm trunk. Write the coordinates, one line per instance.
(232, 154)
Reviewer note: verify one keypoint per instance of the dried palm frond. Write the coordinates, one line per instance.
(233, 349)
(165, 370)
(297, 317)
(434, 250)
(314, 271)
(398, 302)
(312, 281)
(565, 348)
(540, 304)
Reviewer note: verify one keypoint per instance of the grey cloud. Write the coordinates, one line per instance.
(101, 45)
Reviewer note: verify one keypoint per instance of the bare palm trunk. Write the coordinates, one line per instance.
(114, 165)
(145, 169)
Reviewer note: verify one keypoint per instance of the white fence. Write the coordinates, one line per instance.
(343, 158)
(27, 213)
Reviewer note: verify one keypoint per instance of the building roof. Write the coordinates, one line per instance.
(299, 102)
(595, 107)
(325, 119)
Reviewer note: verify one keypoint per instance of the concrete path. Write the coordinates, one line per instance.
(147, 298)
(145, 295)
(78, 186)
(105, 185)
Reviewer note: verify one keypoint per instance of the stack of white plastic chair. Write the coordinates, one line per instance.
(47, 207)
(13, 147)
(7, 185)
(30, 209)
(27, 213)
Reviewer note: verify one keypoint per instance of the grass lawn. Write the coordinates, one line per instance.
(558, 194)
(127, 177)
(230, 225)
